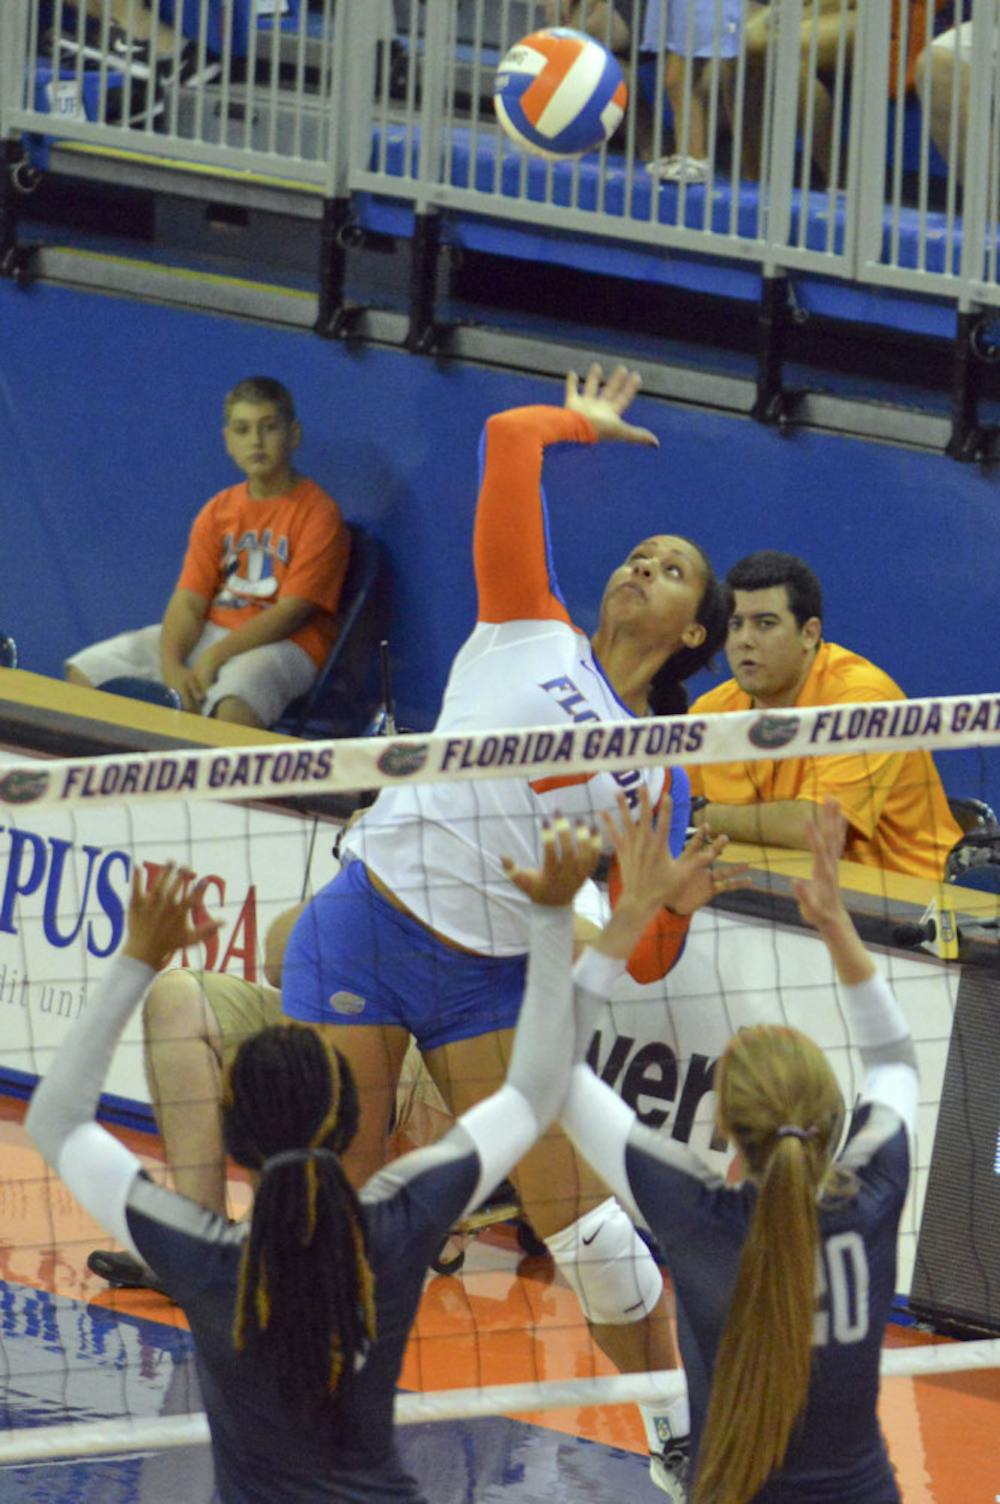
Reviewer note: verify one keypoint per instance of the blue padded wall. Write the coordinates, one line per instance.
(109, 441)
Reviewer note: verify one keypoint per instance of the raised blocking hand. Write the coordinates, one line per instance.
(652, 878)
(568, 859)
(160, 921)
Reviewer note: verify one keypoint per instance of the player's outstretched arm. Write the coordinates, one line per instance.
(97, 1168)
(605, 403)
(877, 1025)
(821, 902)
(541, 1058)
(653, 881)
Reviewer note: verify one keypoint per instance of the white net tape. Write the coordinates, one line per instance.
(966, 721)
(121, 1437)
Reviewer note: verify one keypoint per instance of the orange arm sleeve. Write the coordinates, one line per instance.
(662, 940)
(510, 546)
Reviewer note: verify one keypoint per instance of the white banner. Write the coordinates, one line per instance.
(64, 884)
(590, 747)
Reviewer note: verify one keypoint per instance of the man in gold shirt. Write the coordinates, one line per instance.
(897, 809)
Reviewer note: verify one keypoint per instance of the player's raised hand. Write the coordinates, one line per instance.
(568, 859)
(819, 896)
(161, 921)
(821, 902)
(652, 878)
(605, 402)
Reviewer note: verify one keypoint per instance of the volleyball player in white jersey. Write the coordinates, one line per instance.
(421, 934)
(784, 1283)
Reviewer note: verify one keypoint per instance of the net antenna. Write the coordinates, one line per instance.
(383, 723)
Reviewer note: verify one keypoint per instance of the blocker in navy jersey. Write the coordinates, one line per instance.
(269, 1448)
(836, 1454)
(261, 1452)
(559, 93)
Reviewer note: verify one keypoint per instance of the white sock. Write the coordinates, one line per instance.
(667, 1423)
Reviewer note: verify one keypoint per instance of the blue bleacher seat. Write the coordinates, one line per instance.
(343, 698)
(578, 185)
(150, 690)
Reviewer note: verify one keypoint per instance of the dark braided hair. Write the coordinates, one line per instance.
(305, 1306)
(667, 695)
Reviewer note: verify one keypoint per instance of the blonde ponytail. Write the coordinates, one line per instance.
(779, 1100)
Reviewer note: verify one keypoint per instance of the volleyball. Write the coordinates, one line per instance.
(558, 93)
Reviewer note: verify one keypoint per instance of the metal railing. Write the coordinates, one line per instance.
(838, 136)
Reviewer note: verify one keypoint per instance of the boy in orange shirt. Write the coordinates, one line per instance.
(896, 807)
(253, 613)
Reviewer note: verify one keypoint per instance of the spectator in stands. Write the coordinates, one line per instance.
(896, 807)
(827, 36)
(253, 614)
(827, 46)
(134, 39)
(609, 22)
(942, 74)
(693, 34)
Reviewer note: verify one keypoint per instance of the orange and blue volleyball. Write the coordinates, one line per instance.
(558, 93)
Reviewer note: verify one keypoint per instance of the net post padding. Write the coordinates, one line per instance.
(301, 769)
(124, 1437)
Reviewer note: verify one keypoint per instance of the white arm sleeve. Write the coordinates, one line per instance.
(897, 1086)
(594, 977)
(879, 1028)
(543, 1042)
(503, 1129)
(101, 1173)
(599, 1123)
(97, 1168)
(68, 1094)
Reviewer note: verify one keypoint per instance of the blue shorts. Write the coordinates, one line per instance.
(353, 958)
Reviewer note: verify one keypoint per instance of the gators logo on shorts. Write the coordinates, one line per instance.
(400, 759)
(21, 787)
(773, 730)
(347, 1002)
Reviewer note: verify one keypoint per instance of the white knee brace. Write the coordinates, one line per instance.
(608, 1265)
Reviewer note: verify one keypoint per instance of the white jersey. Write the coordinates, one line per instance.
(438, 847)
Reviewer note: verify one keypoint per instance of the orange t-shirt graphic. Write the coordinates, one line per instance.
(897, 809)
(243, 555)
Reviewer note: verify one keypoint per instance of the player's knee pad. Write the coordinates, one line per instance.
(608, 1265)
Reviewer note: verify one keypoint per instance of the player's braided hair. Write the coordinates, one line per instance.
(667, 695)
(305, 1306)
(770, 1079)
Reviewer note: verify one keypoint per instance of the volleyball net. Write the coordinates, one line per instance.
(259, 831)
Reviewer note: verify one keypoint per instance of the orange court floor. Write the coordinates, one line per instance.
(71, 1349)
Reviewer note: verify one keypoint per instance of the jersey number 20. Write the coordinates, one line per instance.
(842, 1278)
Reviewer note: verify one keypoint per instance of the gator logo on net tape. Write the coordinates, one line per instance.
(401, 759)
(21, 787)
(773, 730)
